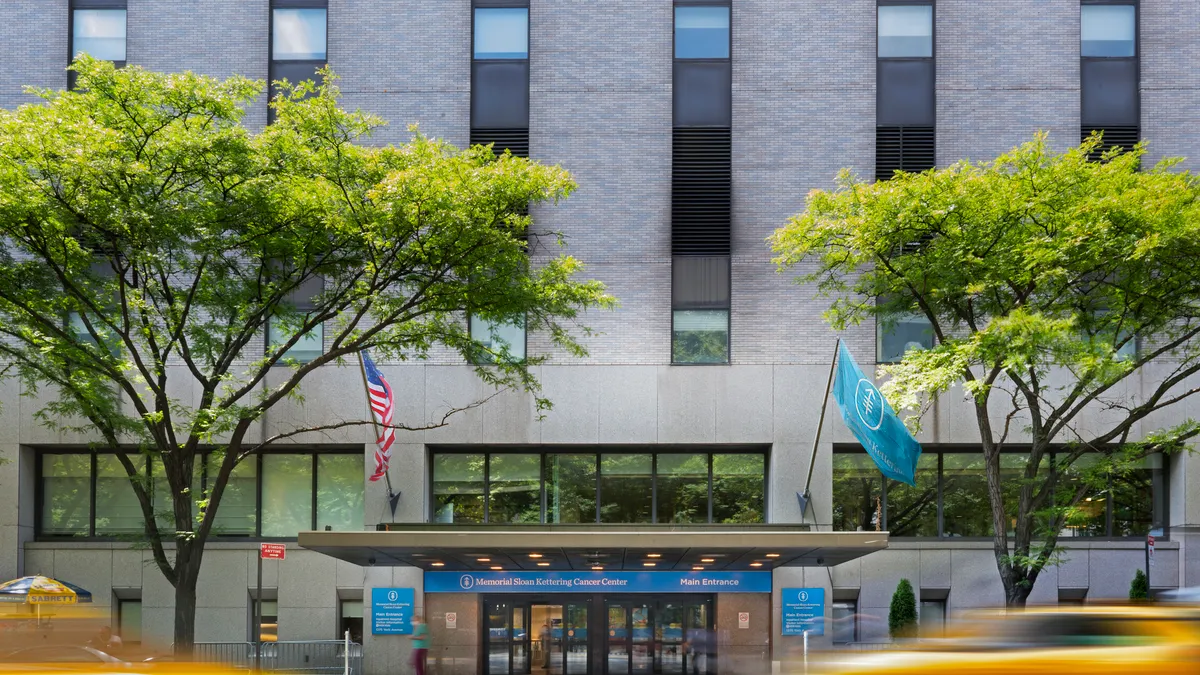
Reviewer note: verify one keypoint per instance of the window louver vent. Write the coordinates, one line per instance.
(1124, 137)
(515, 141)
(700, 191)
(909, 149)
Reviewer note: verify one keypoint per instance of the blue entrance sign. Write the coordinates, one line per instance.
(391, 611)
(803, 610)
(597, 582)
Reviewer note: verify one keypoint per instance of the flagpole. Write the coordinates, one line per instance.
(362, 370)
(812, 460)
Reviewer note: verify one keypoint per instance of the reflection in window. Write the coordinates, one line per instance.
(66, 494)
(908, 332)
(845, 622)
(99, 33)
(857, 493)
(286, 495)
(268, 621)
(162, 497)
(1108, 30)
(1138, 498)
(340, 492)
(310, 345)
(298, 34)
(352, 620)
(912, 509)
(701, 32)
(683, 488)
(626, 488)
(458, 488)
(515, 489)
(117, 508)
(737, 492)
(237, 512)
(1088, 518)
(932, 618)
(906, 31)
(499, 339)
(571, 489)
(700, 336)
(966, 511)
(502, 33)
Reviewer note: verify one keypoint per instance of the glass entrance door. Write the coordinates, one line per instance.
(630, 638)
(507, 638)
(559, 643)
(669, 637)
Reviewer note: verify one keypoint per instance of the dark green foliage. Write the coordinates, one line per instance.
(1139, 589)
(902, 616)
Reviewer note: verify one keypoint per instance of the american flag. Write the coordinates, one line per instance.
(383, 405)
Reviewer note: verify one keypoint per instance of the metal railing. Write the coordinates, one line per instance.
(317, 657)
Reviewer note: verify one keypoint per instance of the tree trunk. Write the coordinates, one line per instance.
(1017, 592)
(187, 570)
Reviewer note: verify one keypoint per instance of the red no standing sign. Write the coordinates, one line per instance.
(272, 551)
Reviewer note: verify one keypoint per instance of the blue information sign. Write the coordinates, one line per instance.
(803, 610)
(391, 611)
(598, 582)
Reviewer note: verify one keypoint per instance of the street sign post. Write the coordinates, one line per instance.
(271, 552)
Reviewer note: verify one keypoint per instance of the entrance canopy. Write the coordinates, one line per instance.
(594, 547)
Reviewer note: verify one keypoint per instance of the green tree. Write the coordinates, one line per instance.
(150, 237)
(1041, 274)
(1139, 588)
(902, 615)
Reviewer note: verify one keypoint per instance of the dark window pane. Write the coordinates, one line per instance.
(100, 33)
(738, 488)
(1089, 517)
(299, 35)
(571, 489)
(845, 622)
(352, 620)
(129, 621)
(857, 493)
(286, 495)
(502, 33)
(906, 31)
(1012, 479)
(458, 488)
(626, 482)
(701, 336)
(966, 511)
(236, 514)
(66, 494)
(1139, 498)
(912, 509)
(515, 489)
(908, 332)
(117, 507)
(701, 32)
(933, 618)
(340, 492)
(1108, 30)
(682, 488)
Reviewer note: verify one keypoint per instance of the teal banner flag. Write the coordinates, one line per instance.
(873, 421)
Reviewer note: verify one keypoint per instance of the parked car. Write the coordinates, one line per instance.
(61, 654)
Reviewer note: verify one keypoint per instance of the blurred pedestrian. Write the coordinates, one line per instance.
(544, 639)
(420, 638)
(106, 641)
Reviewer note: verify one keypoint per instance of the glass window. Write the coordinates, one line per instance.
(905, 31)
(966, 511)
(1108, 30)
(502, 33)
(571, 488)
(738, 488)
(66, 494)
(268, 621)
(237, 512)
(129, 621)
(1089, 517)
(683, 488)
(286, 495)
(515, 489)
(626, 488)
(932, 618)
(161, 495)
(701, 32)
(845, 622)
(499, 337)
(912, 509)
(340, 492)
(1139, 498)
(908, 332)
(458, 488)
(100, 33)
(117, 507)
(352, 620)
(308, 347)
(298, 35)
(700, 336)
(857, 493)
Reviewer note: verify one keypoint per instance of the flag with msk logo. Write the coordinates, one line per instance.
(873, 422)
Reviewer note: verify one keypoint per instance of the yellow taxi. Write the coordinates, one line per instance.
(1130, 640)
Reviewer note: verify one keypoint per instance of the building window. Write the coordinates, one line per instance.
(268, 620)
(905, 31)
(299, 491)
(505, 341)
(845, 622)
(897, 336)
(589, 487)
(296, 311)
(129, 621)
(352, 621)
(950, 498)
(299, 41)
(1108, 30)
(99, 31)
(700, 298)
(501, 33)
(701, 32)
(932, 618)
